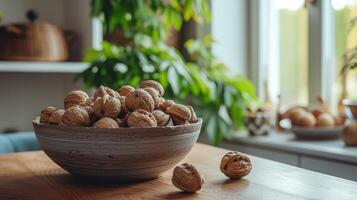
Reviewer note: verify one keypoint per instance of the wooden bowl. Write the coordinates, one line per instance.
(122, 154)
(317, 133)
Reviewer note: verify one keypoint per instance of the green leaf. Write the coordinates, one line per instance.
(173, 80)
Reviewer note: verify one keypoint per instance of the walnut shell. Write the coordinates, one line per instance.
(306, 120)
(325, 120)
(155, 96)
(76, 116)
(106, 122)
(139, 99)
(76, 97)
(165, 104)
(123, 109)
(193, 118)
(107, 106)
(141, 118)
(179, 111)
(187, 178)
(56, 117)
(153, 84)
(162, 118)
(102, 91)
(90, 109)
(125, 90)
(46, 114)
(178, 121)
(235, 165)
(295, 114)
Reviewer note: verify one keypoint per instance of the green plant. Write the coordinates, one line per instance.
(203, 82)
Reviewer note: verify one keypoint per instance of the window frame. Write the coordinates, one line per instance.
(263, 63)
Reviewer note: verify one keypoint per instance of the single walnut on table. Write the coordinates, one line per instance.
(235, 165)
(187, 178)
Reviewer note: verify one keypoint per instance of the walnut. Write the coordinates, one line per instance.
(235, 165)
(187, 178)
(56, 116)
(90, 109)
(294, 115)
(106, 122)
(76, 116)
(306, 120)
(162, 118)
(179, 111)
(46, 114)
(165, 104)
(107, 106)
(325, 120)
(155, 96)
(141, 118)
(178, 121)
(123, 110)
(139, 99)
(153, 84)
(102, 91)
(125, 90)
(193, 118)
(75, 97)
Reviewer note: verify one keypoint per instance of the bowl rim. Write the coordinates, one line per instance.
(172, 130)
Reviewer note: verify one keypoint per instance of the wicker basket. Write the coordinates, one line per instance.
(33, 41)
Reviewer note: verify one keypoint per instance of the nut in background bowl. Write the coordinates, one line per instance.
(119, 154)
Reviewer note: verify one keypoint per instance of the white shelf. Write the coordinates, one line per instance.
(42, 67)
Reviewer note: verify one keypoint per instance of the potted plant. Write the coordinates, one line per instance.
(200, 80)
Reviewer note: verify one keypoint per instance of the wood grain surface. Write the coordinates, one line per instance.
(34, 176)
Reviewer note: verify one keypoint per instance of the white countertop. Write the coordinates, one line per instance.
(330, 149)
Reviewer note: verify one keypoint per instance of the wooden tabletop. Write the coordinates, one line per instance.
(33, 175)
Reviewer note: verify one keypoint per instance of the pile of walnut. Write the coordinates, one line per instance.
(317, 117)
(234, 165)
(127, 107)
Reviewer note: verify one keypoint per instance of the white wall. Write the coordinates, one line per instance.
(73, 15)
(229, 28)
(23, 95)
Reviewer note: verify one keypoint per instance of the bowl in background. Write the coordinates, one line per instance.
(352, 107)
(121, 154)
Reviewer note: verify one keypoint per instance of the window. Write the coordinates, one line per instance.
(345, 39)
(292, 21)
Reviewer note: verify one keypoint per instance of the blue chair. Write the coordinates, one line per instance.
(17, 142)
